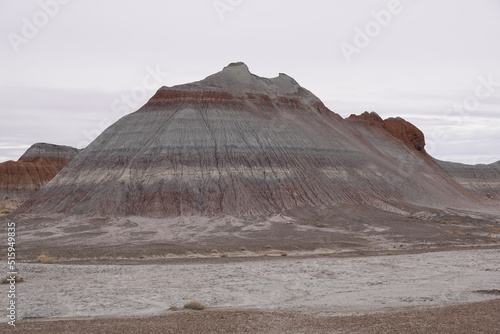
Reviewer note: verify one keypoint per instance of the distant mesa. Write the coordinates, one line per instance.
(36, 167)
(238, 144)
(43, 150)
(483, 180)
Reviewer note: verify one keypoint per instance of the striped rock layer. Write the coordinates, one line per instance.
(483, 180)
(36, 167)
(238, 144)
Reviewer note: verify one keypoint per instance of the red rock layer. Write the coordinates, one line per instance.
(40, 164)
(396, 127)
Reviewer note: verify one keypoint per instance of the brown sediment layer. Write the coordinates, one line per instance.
(40, 164)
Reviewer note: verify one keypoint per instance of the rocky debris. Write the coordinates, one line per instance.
(36, 167)
(238, 144)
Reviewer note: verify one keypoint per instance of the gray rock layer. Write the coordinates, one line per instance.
(238, 144)
(39, 150)
(483, 180)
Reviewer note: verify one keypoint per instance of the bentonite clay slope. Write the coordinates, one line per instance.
(483, 180)
(238, 144)
(37, 166)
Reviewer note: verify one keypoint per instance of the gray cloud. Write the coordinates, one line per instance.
(61, 84)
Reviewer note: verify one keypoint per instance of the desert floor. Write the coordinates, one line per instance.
(432, 292)
(479, 317)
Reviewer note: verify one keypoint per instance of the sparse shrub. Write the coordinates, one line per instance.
(44, 258)
(268, 246)
(4, 212)
(215, 251)
(194, 305)
(223, 255)
(284, 254)
(320, 225)
(242, 248)
(6, 279)
(490, 292)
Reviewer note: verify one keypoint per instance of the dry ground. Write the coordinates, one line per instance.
(340, 229)
(469, 318)
(384, 272)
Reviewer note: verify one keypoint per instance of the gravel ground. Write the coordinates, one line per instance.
(456, 319)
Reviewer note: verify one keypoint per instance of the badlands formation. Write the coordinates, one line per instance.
(250, 195)
(239, 161)
(36, 167)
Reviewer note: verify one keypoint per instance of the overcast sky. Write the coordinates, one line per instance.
(70, 68)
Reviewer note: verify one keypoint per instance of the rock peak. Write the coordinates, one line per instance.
(238, 64)
(39, 150)
(235, 81)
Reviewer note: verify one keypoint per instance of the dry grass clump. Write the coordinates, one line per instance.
(268, 246)
(214, 251)
(223, 255)
(44, 258)
(457, 232)
(194, 305)
(284, 254)
(4, 212)
(320, 225)
(242, 248)
(6, 279)
(449, 222)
